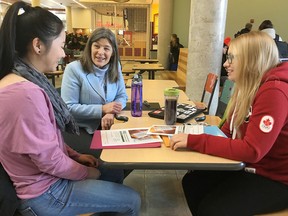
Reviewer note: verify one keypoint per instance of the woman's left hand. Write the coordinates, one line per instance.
(178, 141)
(88, 160)
(107, 121)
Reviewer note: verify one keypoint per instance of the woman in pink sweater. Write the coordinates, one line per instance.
(49, 177)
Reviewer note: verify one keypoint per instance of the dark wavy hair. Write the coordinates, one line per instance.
(265, 24)
(21, 24)
(86, 60)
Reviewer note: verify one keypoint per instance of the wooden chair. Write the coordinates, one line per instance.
(51, 75)
(209, 89)
(225, 97)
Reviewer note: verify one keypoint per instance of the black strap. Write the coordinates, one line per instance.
(276, 37)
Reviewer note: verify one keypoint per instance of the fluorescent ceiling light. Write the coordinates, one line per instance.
(46, 6)
(4, 2)
(80, 4)
(121, 1)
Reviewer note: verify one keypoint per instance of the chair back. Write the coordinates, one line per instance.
(225, 97)
(8, 198)
(209, 89)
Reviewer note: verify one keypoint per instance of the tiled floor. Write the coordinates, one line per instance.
(160, 190)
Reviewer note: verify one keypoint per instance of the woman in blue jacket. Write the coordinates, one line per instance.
(93, 89)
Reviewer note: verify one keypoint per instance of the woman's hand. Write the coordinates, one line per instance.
(113, 107)
(107, 121)
(178, 141)
(92, 163)
(93, 173)
(88, 160)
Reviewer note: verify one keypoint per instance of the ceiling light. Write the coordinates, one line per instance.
(121, 1)
(45, 6)
(4, 2)
(80, 4)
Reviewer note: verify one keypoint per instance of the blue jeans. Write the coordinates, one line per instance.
(69, 198)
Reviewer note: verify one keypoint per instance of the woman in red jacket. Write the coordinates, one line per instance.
(257, 131)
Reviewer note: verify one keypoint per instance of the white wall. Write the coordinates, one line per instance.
(82, 18)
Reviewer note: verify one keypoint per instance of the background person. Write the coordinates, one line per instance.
(257, 131)
(174, 52)
(224, 53)
(246, 29)
(49, 177)
(267, 26)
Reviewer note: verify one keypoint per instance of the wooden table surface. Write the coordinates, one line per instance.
(163, 157)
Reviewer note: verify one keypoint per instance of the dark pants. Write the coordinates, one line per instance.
(82, 144)
(232, 193)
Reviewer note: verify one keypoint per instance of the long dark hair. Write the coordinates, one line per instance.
(86, 60)
(21, 24)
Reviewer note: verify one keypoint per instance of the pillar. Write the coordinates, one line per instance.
(164, 30)
(69, 27)
(206, 35)
(35, 3)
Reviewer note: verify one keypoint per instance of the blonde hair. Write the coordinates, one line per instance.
(256, 53)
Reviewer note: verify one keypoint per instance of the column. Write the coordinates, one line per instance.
(35, 3)
(69, 27)
(206, 35)
(164, 30)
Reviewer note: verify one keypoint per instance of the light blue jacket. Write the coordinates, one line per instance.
(84, 96)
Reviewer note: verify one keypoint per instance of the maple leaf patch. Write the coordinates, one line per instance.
(266, 124)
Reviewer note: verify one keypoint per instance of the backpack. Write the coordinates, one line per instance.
(282, 47)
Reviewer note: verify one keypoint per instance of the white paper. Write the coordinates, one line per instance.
(170, 130)
(131, 136)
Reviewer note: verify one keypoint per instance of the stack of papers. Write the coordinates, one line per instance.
(147, 137)
(129, 138)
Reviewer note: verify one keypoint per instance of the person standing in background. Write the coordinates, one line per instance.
(246, 29)
(223, 69)
(174, 52)
(267, 26)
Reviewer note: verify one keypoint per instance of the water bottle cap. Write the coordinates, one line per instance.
(137, 78)
(171, 92)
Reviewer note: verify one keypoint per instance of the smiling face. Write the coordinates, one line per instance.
(231, 65)
(101, 52)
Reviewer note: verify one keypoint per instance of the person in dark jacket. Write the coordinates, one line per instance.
(223, 69)
(246, 29)
(174, 52)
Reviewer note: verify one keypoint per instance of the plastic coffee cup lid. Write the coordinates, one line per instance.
(171, 92)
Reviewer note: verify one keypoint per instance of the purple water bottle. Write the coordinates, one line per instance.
(136, 96)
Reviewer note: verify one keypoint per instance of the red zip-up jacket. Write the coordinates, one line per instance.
(264, 143)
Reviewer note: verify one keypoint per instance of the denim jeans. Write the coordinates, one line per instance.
(69, 198)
